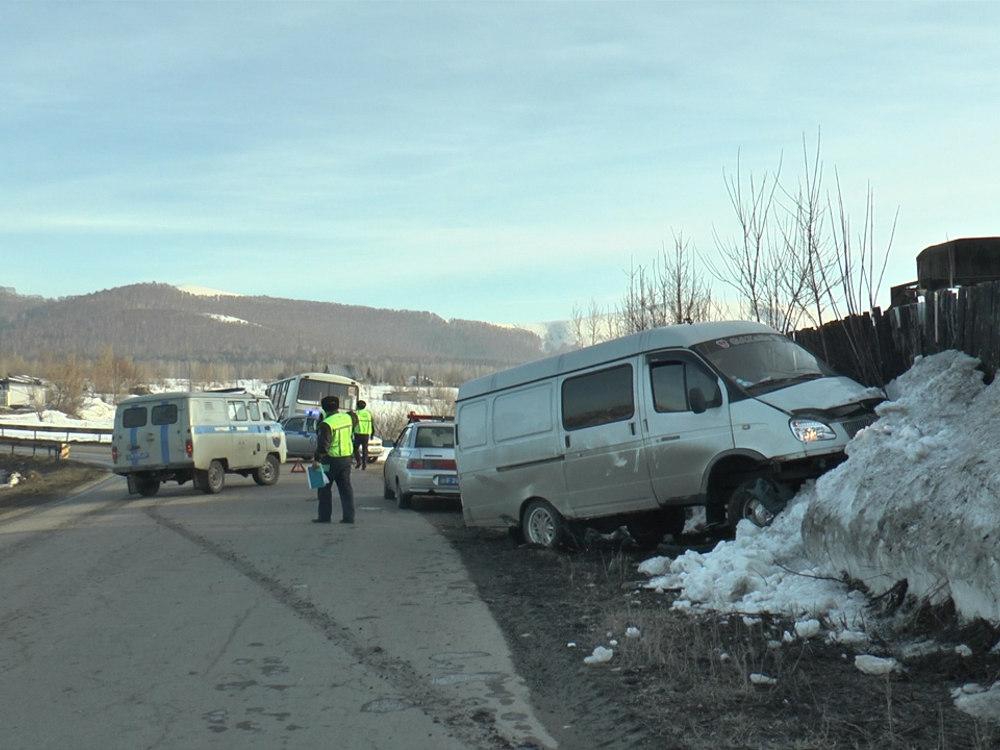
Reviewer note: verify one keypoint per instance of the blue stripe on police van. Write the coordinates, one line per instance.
(165, 439)
(133, 445)
(208, 428)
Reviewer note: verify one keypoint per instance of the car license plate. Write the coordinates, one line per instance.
(445, 481)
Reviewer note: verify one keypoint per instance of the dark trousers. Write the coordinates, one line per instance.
(339, 473)
(361, 451)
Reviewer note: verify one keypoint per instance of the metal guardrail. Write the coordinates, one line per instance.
(10, 431)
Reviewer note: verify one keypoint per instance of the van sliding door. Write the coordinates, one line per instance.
(605, 464)
(679, 443)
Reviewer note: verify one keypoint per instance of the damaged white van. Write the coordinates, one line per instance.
(196, 436)
(732, 416)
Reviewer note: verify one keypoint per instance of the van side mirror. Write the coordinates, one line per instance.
(697, 400)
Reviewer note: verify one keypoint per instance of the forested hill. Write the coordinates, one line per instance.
(160, 322)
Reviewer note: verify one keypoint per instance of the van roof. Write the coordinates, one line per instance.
(666, 337)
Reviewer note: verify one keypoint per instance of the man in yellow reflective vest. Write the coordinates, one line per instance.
(362, 432)
(335, 451)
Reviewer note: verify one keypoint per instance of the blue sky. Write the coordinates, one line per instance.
(485, 161)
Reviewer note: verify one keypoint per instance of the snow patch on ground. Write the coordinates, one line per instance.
(204, 291)
(228, 319)
(978, 701)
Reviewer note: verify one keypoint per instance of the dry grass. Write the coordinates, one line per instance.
(43, 478)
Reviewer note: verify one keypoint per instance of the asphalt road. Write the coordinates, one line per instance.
(189, 620)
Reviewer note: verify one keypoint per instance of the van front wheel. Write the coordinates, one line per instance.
(267, 474)
(541, 524)
(757, 500)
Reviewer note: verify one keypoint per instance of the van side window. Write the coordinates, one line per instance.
(709, 385)
(669, 393)
(238, 411)
(165, 414)
(134, 416)
(254, 411)
(671, 382)
(295, 424)
(266, 412)
(598, 398)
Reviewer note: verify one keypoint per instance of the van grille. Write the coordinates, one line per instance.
(853, 426)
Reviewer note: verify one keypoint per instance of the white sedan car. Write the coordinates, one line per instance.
(422, 463)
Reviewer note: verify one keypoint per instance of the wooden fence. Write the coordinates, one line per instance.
(875, 348)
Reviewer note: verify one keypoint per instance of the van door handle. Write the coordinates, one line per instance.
(567, 441)
(631, 426)
(668, 438)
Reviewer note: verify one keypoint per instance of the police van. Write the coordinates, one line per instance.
(732, 416)
(195, 436)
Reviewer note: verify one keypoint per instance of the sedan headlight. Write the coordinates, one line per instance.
(810, 431)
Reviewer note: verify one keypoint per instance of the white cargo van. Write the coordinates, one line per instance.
(196, 436)
(732, 416)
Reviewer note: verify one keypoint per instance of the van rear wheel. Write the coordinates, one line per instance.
(147, 486)
(267, 474)
(542, 524)
(211, 481)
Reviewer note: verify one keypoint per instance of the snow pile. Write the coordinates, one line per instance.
(96, 410)
(918, 498)
(979, 702)
(601, 655)
(9, 480)
(758, 573)
(876, 665)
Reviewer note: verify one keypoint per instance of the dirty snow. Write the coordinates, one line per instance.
(978, 701)
(916, 500)
(601, 655)
(876, 665)
(762, 679)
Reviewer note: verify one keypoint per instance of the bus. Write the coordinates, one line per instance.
(300, 394)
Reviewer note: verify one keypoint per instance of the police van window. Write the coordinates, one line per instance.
(165, 414)
(254, 411)
(598, 398)
(266, 413)
(134, 416)
(238, 411)
(296, 424)
(668, 387)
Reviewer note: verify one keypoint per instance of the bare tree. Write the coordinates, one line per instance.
(671, 290)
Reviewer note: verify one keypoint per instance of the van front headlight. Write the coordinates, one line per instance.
(810, 430)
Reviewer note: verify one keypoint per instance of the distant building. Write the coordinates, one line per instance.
(21, 390)
(961, 262)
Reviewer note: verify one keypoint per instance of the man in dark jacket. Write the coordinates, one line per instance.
(335, 452)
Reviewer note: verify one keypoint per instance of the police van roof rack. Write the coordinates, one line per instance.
(414, 417)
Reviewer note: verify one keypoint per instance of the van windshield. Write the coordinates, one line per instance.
(762, 362)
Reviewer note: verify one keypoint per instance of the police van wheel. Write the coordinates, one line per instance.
(212, 481)
(147, 486)
(402, 498)
(387, 492)
(542, 524)
(267, 474)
